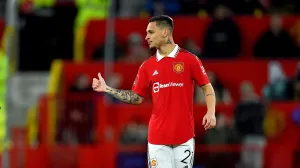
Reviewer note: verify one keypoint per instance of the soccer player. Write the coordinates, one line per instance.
(169, 76)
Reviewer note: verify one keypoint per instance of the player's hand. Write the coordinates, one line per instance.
(99, 84)
(209, 121)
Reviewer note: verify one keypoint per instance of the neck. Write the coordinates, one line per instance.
(166, 49)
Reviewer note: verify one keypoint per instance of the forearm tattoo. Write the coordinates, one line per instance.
(126, 96)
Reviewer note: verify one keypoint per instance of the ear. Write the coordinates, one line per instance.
(165, 32)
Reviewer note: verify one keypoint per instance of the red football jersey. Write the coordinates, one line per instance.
(171, 82)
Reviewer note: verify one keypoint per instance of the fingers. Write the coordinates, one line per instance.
(208, 123)
(95, 83)
(204, 120)
(212, 124)
(98, 83)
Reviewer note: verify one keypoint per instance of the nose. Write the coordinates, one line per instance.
(146, 38)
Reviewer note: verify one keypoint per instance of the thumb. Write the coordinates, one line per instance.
(99, 75)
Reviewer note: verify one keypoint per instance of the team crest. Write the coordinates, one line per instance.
(153, 162)
(178, 67)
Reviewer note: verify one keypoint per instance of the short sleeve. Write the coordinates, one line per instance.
(141, 83)
(198, 72)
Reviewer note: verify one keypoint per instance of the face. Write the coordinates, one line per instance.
(247, 90)
(221, 12)
(221, 121)
(211, 76)
(155, 35)
(83, 81)
(276, 23)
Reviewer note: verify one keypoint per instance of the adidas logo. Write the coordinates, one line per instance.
(155, 73)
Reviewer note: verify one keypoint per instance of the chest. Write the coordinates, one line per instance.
(169, 70)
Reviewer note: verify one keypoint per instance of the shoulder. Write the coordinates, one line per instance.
(188, 55)
(148, 62)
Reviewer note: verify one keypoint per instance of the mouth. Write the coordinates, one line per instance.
(149, 42)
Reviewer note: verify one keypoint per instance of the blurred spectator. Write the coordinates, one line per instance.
(191, 7)
(296, 5)
(99, 53)
(295, 33)
(237, 6)
(81, 84)
(76, 119)
(276, 4)
(222, 94)
(159, 7)
(248, 6)
(131, 8)
(222, 39)
(211, 6)
(287, 6)
(249, 117)
(221, 135)
(191, 46)
(296, 118)
(296, 84)
(134, 133)
(277, 87)
(274, 123)
(114, 80)
(275, 42)
(136, 51)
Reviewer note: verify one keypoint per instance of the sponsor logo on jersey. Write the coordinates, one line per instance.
(157, 86)
(178, 67)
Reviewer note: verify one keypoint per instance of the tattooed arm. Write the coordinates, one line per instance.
(210, 97)
(209, 119)
(126, 96)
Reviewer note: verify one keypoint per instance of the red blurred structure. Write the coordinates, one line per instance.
(279, 152)
(232, 73)
(111, 119)
(251, 29)
(114, 117)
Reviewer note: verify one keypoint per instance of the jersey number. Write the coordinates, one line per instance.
(184, 160)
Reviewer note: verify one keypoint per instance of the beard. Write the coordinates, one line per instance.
(152, 47)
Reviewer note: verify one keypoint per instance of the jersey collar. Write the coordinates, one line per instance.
(173, 54)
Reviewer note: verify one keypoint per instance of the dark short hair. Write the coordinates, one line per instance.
(163, 20)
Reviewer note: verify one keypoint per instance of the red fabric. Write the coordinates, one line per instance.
(171, 83)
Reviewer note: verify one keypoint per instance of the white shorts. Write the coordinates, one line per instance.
(171, 156)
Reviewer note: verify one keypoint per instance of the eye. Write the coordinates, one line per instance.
(150, 32)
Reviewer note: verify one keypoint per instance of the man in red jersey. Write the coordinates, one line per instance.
(169, 76)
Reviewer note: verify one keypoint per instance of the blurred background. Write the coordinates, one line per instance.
(51, 49)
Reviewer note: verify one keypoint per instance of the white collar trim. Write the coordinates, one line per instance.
(172, 54)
